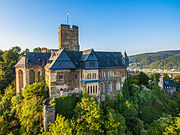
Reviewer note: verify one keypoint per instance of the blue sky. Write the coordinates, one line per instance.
(136, 26)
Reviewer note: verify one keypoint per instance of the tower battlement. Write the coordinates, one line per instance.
(68, 37)
(67, 27)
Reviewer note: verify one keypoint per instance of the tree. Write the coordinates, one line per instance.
(16, 105)
(5, 102)
(87, 119)
(7, 70)
(155, 78)
(37, 49)
(125, 91)
(60, 127)
(36, 89)
(143, 78)
(1, 52)
(31, 110)
(166, 77)
(166, 125)
(31, 116)
(16, 49)
(114, 123)
(4, 126)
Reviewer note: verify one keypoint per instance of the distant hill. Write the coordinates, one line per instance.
(159, 60)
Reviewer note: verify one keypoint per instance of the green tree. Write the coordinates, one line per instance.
(60, 127)
(166, 125)
(31, 109)
(7, 70)
(114, 123)
(16, 105)
(39, 89)
(5, 102)
(143, 78)
(155, 78)
(16, 49)
(31, 115)
(4, 126)
(125, 91)
(166, 77)
(87, 119)
(37, 49)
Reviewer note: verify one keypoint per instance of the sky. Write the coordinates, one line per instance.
(137, 26)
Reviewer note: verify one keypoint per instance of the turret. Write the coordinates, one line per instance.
(68, 37)
(125, 59)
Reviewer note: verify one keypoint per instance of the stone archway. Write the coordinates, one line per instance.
(31, 77)
(21, 83)
(39, 76)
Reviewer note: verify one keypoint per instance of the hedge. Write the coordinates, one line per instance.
(65, 105)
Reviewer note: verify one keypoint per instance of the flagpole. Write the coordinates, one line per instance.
(67, 19)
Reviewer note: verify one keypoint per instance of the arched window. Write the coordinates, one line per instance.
(21, 83)
(39, 76)
(102, 88)
(117, 86)
(110, 86)
(31, 76)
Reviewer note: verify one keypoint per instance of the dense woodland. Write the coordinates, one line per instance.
(142, 108)
(160, 60)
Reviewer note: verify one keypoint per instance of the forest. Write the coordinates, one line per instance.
(142, 108)
(160, 60)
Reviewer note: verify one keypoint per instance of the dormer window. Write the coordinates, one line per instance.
(92, 64)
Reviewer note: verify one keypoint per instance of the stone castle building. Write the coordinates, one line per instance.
(69, 70)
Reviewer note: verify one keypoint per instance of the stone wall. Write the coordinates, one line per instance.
(112, 80)
(25, 79)
(48, 114)
(70, 81)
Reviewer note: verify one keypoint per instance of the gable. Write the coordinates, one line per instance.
(91, 56)
(62, 62)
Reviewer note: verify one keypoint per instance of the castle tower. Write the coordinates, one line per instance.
(68, 37)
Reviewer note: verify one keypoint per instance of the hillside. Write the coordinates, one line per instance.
(163, 59)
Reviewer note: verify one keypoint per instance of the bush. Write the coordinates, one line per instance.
(65, 105)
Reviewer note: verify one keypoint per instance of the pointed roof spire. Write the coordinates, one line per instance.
(125, 55)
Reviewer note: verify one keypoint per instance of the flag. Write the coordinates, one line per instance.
(68, 14)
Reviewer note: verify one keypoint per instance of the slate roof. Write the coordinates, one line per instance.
(74, 59)
(34, 58)
(169, 83)
(109, 59)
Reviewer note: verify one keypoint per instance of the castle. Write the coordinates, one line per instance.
(68, 69)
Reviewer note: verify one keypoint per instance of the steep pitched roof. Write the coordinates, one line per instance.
(34, 58)
(88, 55)
(169, 83)
(21, 62)
(61, 61)
(125, 55)
(109, 59)
(75, 57)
